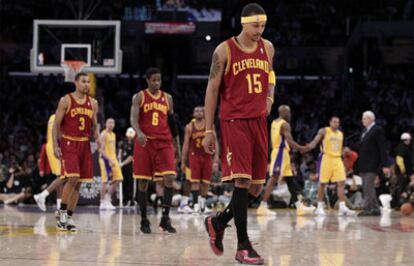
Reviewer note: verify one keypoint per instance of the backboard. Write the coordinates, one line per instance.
(96, 42)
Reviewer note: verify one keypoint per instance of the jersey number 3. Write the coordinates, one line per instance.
(254, 83)
(81, 123)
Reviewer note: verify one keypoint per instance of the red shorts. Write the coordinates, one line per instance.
(76, 159)
(155, 159)
(244, 149)
(201, 168)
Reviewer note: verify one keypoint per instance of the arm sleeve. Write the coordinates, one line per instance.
(173, 125)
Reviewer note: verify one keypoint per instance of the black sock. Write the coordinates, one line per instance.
(293, 187)
(252, 199)
(239, 206)
(70, 212)
(158, 199)
(195, 194)
(168, 194)
(142, 201)
(63, 207)
(223, 218)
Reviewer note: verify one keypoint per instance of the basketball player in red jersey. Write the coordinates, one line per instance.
(152, 117)
(76, 119)
(242, 74)
(201, 164)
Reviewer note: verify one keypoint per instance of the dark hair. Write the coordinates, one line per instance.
(80, 74)
(252, 9)
(151, 71)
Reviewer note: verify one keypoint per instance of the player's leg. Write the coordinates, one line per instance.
(195, 193)
(102, 205)
(68, 189)
(143, 172)
(205, 178)
(184, 208)
(236, 164)
(106, 171)
(295, 189)
(276, 159)
(73, 202)
(41, 197)
(164, 163)
(257, 157)
(142, 201)
(196, 174)
(204, 186)
(159, 191)
(116, 180)
(339, 176)
(320, 210)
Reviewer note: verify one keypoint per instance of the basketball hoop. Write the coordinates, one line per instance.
(71, 68)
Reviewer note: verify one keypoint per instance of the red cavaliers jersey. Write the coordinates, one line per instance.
(196, 139)
(245, 82)
(78, 119)
(153, 115)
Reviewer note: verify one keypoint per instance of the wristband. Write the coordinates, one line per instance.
(270, 99)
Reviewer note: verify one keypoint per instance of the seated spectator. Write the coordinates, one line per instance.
(310, 192)
(353, 191)
(14, 189)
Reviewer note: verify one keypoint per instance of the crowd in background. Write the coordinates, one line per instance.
(27, 102)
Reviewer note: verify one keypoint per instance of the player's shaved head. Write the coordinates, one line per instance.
(284, 112)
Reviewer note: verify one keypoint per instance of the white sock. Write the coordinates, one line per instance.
(263, 203)
(58, 202)
(44, 193)
(202, 202)
(342, 205)
(107, 197)
(320, 205)
(184, 201)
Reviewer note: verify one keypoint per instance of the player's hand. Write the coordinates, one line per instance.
(209, 144)
(268, 106)
(98, 144)
(142, 139)
(177, 155)
(41, 173)
(57, 151)
(215, 167)
(183, 166)
(111, 163)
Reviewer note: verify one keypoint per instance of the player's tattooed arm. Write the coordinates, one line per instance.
(60, 112)
(215, 66)
(287, 133)
(134, 116)
(317, 139)
(218, 66)
(271, 87)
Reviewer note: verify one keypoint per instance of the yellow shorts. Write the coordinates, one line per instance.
(330, 169)
(280, 163)
(188, 173)
(53, 161)
(109, 173)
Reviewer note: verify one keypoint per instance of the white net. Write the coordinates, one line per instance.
(71, 68)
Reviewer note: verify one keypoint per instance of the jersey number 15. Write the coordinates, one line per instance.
(253, 83)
